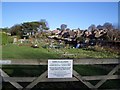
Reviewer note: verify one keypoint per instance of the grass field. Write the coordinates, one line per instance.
(24, 52)
(11, 51)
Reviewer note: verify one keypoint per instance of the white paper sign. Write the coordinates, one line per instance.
(60, 68)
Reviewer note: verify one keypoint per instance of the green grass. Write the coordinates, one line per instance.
(81, 53)
(24, 52)
(22, 71)
(89, 70)
(11, 51)
(5, 39)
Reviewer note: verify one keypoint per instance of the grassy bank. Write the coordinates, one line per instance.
(11, 51)
(24, 52)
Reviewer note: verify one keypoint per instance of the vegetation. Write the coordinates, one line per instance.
(24, 50)
(113, 33)
(11, 51)
(19, 29)
(5, 39)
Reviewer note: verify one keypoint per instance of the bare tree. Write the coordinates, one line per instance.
(63, 26)
(108, 26)
(92, 27)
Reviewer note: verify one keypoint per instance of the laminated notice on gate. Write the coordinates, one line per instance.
(60, 68)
